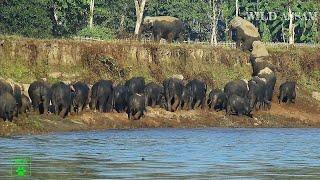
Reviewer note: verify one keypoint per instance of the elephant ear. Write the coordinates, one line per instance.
(148, 20)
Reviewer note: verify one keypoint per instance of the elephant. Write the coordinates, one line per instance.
(136, 85)
(259, 50)
(101, 96)
(25, 104)
(121, 95)
(287, 92)
(136, 107)
(8, 106)
(271, 79)
(167, 27)
(5, 87)
(185, 99)
(153, 93)
(238, 87)
(217, 100)
(238, 105)
(61, 98)
(246, 33)
(40, 95)
(14, 89)
(80, 96)
(198, 90)
(256, 94)
(173, 93)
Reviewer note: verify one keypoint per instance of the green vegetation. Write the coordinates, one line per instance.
(73, 60)
(116, 19)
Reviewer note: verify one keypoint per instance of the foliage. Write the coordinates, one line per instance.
(69, 16)
(63, 18)
(24, 17)
(97, 32)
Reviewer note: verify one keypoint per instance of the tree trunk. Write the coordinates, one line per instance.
(237, 7)
(139, 14)
(291, 27)
(283, 33)
(91, 14)
(213, 39)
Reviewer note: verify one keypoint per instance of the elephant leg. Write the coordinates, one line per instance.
(80, 108)
(228, 110)
(203, 103)
(63, 112)
(281, 98)
(169, 104)
(46, 105)
(157, 37)
(176, 103)
(196, 104)
(129, 113)
(153, 103)
(56, 109)
(238, 43)
(170, 37)
(73, 109)
(100, 105)
(137, 115)
(180, 38)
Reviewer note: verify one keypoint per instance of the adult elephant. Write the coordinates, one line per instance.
(153, 93)
(167, 27)
(136, 85)
(61, 98)
(40, 95)
(238, 87)
(80, 96)
(198, 90)
(101, 96)
(246, 33)
(173, 93)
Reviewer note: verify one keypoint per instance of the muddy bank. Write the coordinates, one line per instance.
(24, 60)
(304, 114)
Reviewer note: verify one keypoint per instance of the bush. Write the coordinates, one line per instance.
(97, 32)
(26, 18)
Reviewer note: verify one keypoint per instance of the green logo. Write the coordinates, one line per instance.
(21, 167)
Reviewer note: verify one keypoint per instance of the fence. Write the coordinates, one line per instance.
(220, 44)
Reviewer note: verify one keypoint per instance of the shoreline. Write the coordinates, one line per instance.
(36, 124)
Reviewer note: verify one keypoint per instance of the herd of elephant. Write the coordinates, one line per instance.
(238, 97)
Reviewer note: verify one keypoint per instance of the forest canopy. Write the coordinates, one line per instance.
(117, 18)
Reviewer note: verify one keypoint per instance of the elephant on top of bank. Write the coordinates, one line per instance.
(246, 33)
(166, 27)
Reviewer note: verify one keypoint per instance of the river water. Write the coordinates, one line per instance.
(166, 153)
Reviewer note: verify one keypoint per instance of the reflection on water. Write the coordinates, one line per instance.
(168, 153)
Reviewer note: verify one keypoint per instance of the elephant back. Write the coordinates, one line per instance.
(243, 25)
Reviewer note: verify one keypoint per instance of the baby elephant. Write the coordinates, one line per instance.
(217, 100)
(137, 106)
(26, 104)
(238, 105)
(287, 92)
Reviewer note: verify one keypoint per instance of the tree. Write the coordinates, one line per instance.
(91, 13)
(237, 8)
(291, 25)
(139, 5)
(68, 17)
(25, 18)
(214, 22)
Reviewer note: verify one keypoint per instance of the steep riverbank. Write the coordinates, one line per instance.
(25, 60)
